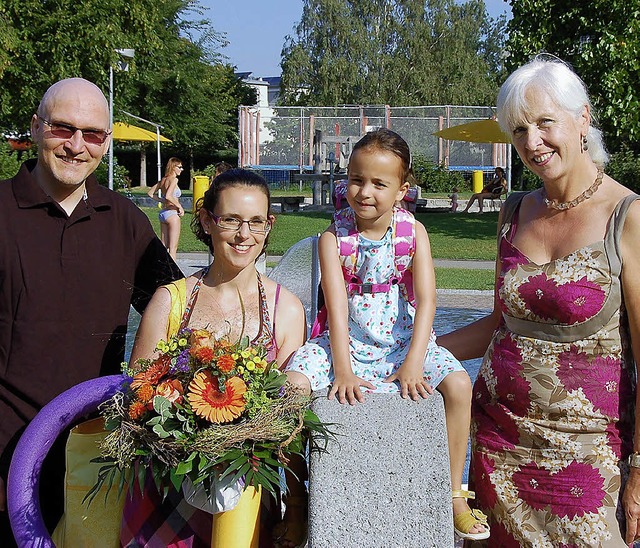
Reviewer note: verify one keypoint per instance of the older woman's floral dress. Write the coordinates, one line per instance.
(553, 405)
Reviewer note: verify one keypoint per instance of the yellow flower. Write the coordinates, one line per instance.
(240, 369)
(250, 365)
(245, 354)
(235, 355)
(208, 402)
(182, 342)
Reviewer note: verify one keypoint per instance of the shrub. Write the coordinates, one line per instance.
(9, 160)
(624, 167)
(435, 178)
(120, 173)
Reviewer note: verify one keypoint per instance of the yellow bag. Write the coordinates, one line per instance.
(82, 525)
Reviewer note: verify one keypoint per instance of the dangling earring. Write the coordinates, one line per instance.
(584, 144)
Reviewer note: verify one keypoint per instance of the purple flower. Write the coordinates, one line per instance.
(601, 379)
(579, 488)
(540, 295)
(483, 466)
(578, 301)
(573, 491)
(181, 364)
(281, 391)
(605, 387)
(573, 367)
(512, 390)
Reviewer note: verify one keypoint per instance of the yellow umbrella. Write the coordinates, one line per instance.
(127, 132)
(481, 131)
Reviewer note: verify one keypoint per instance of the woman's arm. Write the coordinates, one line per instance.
(410, 374)
(153, 192)
(290, 324)
(631, 292)
(153, 325)
(169, 195)
(346, 384)
(472, 341)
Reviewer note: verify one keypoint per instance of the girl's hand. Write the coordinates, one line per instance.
(347, 387)
(181, 212)
(412, 382)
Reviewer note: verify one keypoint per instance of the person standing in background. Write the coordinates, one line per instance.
(167, 192)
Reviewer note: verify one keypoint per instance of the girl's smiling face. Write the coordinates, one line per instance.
(548, 139)
(375, 184)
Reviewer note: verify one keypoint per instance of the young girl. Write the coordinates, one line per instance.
(454, 199)
(379, 286)
(171, 212)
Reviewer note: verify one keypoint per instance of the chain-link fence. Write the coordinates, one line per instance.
(282, 138)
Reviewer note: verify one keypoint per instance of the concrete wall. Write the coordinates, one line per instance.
(385, 482)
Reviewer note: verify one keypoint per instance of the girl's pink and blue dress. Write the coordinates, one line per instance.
(380, 330)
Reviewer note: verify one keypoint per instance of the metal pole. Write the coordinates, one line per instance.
(111, 127)
(158, 152)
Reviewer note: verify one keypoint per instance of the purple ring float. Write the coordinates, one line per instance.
(23, 500)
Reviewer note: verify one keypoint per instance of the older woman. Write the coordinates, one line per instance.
(553, 406)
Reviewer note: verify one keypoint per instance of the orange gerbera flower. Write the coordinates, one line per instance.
(151, 376)
(208, 402)
(204, 354)
(137, 410)
(225, 363)
(145, 393)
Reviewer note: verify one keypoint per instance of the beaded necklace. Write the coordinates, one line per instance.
(563, 206)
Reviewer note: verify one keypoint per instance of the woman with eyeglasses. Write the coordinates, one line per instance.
(166, 191)
(231, 299)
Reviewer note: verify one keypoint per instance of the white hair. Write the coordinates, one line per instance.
(564, 87)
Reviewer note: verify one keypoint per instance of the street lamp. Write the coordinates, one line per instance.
(123, 64)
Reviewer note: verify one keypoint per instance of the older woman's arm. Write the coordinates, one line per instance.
(631, 292)
(472, 341)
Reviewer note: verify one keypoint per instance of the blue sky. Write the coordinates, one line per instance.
(256, 29)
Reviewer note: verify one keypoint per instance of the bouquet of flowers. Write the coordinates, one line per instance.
(205, 410)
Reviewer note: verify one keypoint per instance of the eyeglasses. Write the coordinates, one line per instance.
(65, 131)
(257, 226)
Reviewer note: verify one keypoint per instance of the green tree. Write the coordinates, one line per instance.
(601, 40)
(397, 52)
(177, 77)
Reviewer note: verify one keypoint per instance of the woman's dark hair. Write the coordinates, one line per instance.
(228, 179)
(389, 141)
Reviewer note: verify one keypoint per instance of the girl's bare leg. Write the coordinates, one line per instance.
(456, 392)
(173, 235)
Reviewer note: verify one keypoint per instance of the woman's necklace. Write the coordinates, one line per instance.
(562, 206)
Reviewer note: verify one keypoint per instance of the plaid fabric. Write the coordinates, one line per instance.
(150, 522)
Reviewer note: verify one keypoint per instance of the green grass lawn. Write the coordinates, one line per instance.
(452, 236)
(464, 278)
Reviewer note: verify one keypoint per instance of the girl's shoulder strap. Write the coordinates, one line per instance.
(344, 222)
(404, 238)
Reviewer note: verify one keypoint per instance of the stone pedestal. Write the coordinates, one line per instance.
(385, 481)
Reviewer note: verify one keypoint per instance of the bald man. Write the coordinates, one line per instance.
(73, 257)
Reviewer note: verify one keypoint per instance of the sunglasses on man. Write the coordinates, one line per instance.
(65, 131)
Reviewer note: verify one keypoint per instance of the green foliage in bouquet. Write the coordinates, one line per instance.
(205, 409)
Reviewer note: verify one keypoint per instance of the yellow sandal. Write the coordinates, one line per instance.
(464, 522)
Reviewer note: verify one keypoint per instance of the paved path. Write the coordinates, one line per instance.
(448, 298)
